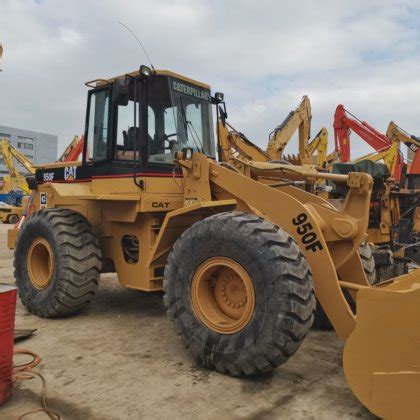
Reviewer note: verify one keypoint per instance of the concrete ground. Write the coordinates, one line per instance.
(121, 359)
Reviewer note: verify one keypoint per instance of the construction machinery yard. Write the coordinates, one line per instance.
(291, 277)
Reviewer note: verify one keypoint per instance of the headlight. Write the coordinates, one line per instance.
(145, 71)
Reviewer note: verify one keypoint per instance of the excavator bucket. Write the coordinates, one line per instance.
(382, 355)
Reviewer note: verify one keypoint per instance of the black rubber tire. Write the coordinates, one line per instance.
(321, 321)
(13, 219)
(282, 280)
(77, 260)
(368, 262)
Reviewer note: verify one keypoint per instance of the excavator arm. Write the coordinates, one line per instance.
(15, 179)
(397, 135)
(233, 144)
(319, 145)
(10, 153)
(300, 119)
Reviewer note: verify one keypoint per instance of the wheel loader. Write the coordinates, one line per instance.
(240, 256)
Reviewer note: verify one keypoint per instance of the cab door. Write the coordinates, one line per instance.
(98, 135)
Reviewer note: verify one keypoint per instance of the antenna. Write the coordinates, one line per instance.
(141, 45)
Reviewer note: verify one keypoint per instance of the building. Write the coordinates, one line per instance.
(38, 147)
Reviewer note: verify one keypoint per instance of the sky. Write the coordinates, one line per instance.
(264, 55)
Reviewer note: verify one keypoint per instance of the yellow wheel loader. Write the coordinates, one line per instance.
(240, 255)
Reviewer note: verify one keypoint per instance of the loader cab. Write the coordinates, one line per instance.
(137, 122)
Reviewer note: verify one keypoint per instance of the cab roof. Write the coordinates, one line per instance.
(102, 82)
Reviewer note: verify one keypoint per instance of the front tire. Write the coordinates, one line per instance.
(254, 303)
(57, 263)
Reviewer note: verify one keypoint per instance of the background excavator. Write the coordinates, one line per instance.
(234, 143)
(387, 146)
(395, 213)
(397, 135)
(14, 186)
(73, 151)
(15, 180)
(300, 120)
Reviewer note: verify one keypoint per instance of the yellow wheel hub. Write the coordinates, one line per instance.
(222, 295)
(40, 263)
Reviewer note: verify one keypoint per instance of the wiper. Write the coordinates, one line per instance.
(189, 125)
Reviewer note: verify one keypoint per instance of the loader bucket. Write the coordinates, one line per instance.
(381, 357)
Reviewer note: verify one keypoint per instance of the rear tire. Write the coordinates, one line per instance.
(282, 292)
(321, 321)
(57, 262)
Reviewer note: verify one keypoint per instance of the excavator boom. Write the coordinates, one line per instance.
(345, 123)
(300, 119)
(73, 150)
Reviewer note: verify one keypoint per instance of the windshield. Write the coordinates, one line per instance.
(179, 116)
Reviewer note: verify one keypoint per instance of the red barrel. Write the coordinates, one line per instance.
(7, 324)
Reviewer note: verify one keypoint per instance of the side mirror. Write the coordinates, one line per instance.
(219, 97)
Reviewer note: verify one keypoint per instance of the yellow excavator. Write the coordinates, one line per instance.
(234, 143)
(240, 256)
(15, 180)
(300, 119)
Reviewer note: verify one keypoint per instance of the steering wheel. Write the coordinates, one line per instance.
(171, 143)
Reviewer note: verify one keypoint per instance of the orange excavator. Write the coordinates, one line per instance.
(73, 150)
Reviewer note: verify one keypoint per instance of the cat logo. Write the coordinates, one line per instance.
(70, 173)
(157, 205)
(42, 200)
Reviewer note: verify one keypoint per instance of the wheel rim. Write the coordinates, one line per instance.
(40, 263)
(222, 295)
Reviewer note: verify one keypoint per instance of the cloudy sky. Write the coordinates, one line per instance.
(264, 55)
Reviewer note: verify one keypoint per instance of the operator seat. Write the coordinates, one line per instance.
(131, 136)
